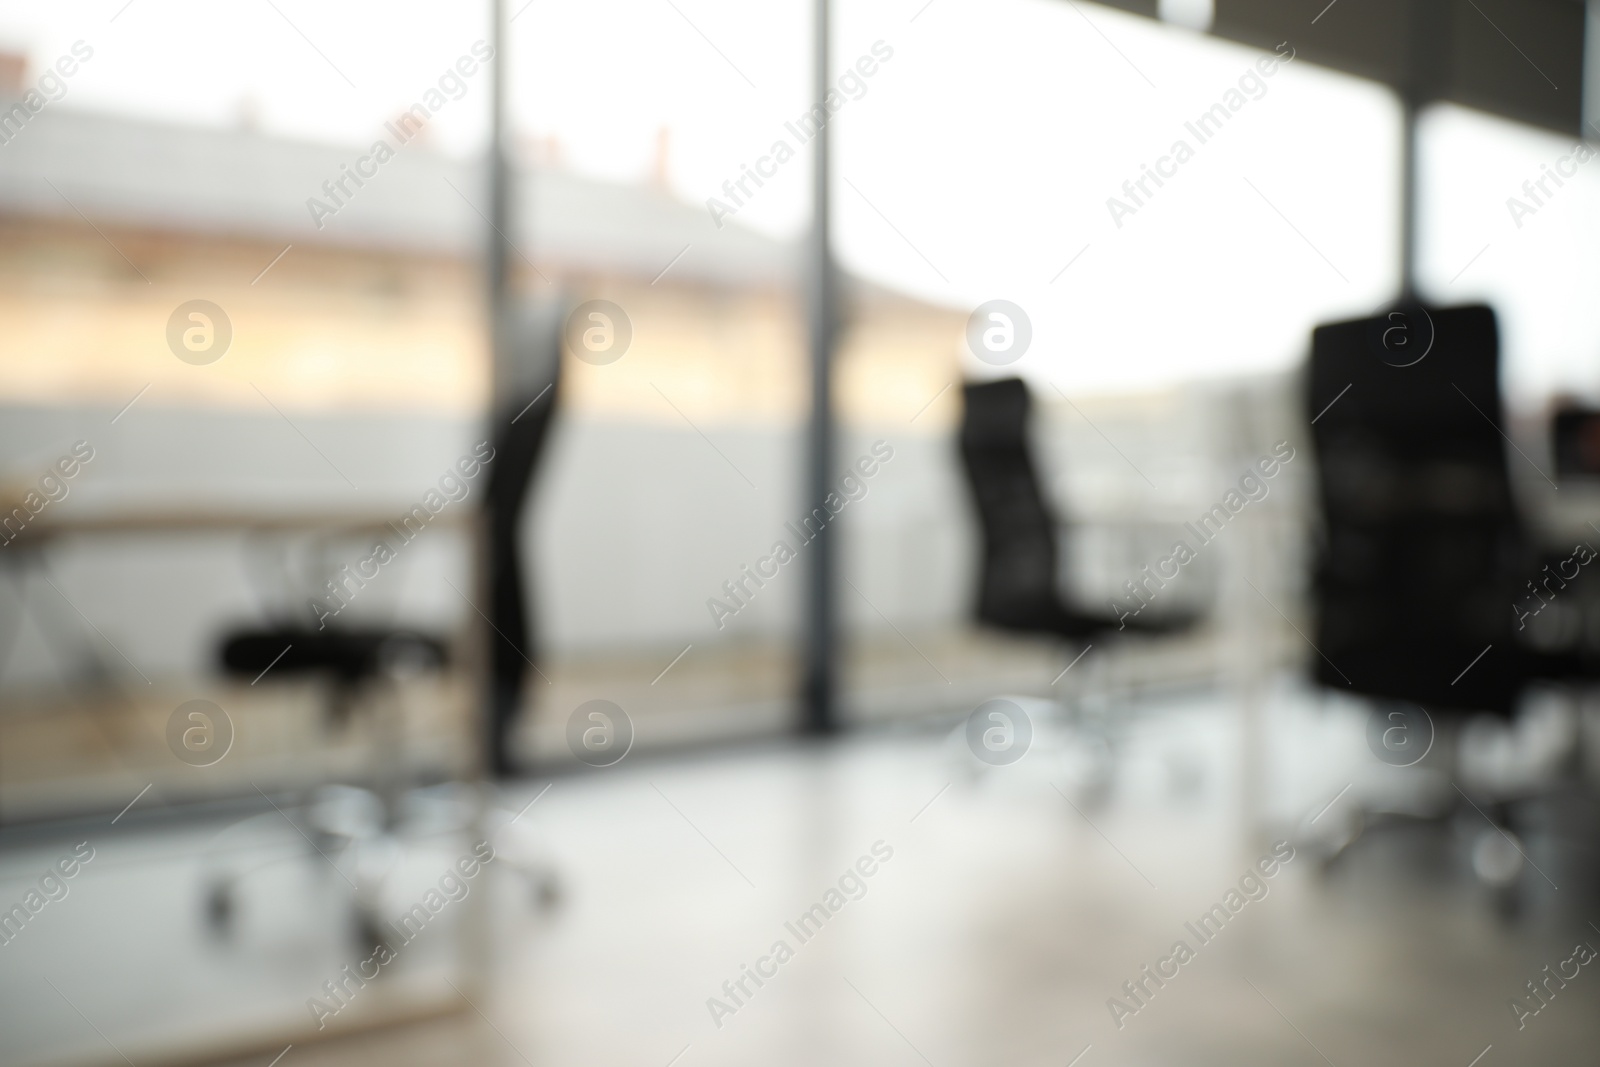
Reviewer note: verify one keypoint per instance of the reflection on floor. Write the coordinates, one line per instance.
(1007, 911)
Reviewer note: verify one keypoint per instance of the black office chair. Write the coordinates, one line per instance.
(1423, 551)
(354, 662)
(1558, 607)
(1019, 580)
(354, 659)
(349, 656)
(1575, 441)
(1018, 587)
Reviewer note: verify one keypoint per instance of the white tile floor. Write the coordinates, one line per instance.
(1014, 905)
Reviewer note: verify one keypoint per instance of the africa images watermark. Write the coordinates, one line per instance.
(51, 86)
(1253, 487)
(410, 123)
(53, 488)
(851, 85)
(1582, 554)
(599, 732)
(852, 885)
(1252, 887)
(200, 732)
(852, 486)
(1540, 994)
(1520, 210)
(1203, 129)
(454, 885)
(454, 485)
(52, 887)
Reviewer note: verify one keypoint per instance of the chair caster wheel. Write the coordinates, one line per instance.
(1497, 858)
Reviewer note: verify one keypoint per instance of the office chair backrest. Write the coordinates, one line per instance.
(1422, 551)
(1018, 530)
(1575, 441)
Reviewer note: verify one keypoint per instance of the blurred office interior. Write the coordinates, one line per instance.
(520, 517)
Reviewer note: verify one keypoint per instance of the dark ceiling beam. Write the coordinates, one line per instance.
(1518, 59)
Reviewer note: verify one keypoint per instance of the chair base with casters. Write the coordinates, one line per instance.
(340, 820)
(1478, 825)
(367, 825)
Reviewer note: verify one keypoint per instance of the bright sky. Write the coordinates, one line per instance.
(976, 165)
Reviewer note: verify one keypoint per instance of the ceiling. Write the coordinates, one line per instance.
(1519, 59)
